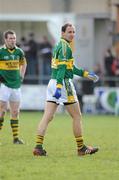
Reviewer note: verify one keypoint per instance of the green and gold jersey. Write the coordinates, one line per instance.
(63, 63)
(10, 62)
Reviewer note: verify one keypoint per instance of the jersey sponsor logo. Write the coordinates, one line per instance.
(9, 65)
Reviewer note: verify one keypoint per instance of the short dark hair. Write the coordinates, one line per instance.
(8, 32)
(64, 27)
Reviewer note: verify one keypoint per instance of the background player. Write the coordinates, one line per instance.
(12, 70)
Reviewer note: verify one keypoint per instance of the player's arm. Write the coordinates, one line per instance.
(23, 65)
(23, 69)
(61, 73)
(60, 77)
(62, 56)
(86, 74)
(1, 78)
(78, 72)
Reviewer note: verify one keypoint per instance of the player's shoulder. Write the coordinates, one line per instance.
(64, 45)
(1, 48)
(19, 50)
(58, 44)
(64, 42)
(61, 45)
(57, 47)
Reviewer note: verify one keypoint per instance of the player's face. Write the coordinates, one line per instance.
(10, 41)
(69, 33)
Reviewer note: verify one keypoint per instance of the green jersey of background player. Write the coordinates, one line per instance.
(12, 70)
(10, 62)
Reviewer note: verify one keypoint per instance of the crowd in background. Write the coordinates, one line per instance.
(38, 55)
(111, 64)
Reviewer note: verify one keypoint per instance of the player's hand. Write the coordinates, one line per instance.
(93, 76)
(57, 94)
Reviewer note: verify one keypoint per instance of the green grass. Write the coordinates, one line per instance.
(62, 163)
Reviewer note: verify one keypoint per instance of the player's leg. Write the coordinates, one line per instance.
(14, 102)
(74, 111)
(50, 109)
(4, 96)
(3, 108)
(14, 121)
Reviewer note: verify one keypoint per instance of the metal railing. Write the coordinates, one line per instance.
(43, 79)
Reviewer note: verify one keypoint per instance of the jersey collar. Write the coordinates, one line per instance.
(65, 41)
(5, 47)
(11, 51)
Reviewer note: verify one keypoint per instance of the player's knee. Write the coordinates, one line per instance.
(3, 107)
(2, 114)
(15, 113)
(77, 116)
(50, 118)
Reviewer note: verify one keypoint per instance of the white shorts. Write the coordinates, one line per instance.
(68, 93)
(9, 94)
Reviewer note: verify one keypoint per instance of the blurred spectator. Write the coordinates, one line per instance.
(87, 86)
(24, 45)
(108, 61)
(78, 86)
(1, 38)
(115, 64)
(30, 48)
(45, 51)
(32, 56)
(98, 70)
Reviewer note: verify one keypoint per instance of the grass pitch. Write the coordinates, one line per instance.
(62, 162)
